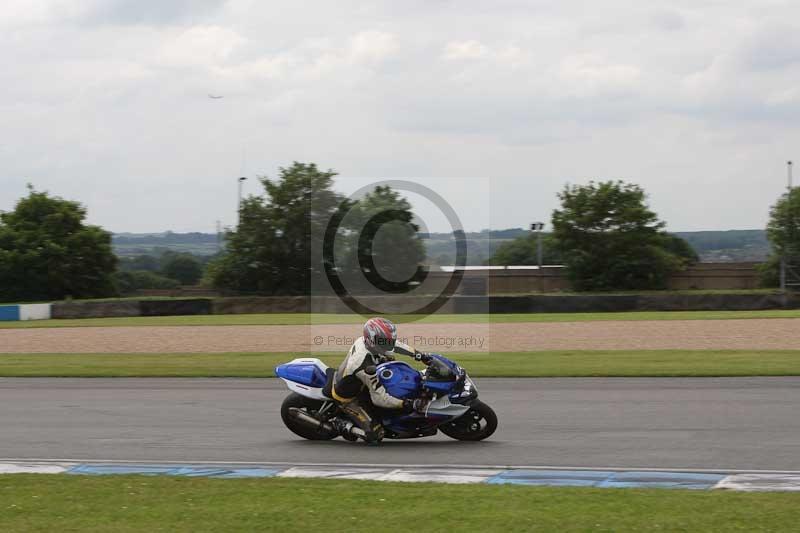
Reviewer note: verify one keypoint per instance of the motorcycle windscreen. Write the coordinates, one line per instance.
(399, 379)
(443, 375)
(303, 373)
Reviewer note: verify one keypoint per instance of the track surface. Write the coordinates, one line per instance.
(734, 423)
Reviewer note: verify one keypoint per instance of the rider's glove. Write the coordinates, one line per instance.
(424, 358)
(418, 405)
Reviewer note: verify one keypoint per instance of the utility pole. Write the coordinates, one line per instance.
(538, 227)
(240, 181)
(789, 186)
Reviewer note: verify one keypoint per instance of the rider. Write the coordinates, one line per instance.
(357, 371)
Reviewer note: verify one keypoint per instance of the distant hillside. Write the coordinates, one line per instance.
(481, 245)
(130, 244)
(729, 246)
(711, 246)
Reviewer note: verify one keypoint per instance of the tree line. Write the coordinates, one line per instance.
(603, 232)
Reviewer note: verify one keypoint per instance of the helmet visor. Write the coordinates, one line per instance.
(384, 345)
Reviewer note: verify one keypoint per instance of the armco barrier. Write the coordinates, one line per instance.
(717, 302)
(461, 304)
(562, 304)
(34, 311)
(457, 304)
(325, 304)
(97, 309)
(621, 303)
(9, 312)
(237, 305)
(199, 306)
(25, 312)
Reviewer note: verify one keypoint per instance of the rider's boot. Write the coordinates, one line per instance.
(345, 429)
(349, 431)
(363, 425)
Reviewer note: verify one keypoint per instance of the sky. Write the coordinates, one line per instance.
(493, 105)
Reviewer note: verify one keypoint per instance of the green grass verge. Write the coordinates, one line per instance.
(139, 503)
(656, 363)
(302, 318)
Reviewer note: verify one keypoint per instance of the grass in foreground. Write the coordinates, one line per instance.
(139, 503)
(654, 363)
(273, 319)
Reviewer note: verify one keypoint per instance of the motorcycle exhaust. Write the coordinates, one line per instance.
(319, 425)
(310, 421)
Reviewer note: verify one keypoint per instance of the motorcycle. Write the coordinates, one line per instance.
(454, 409)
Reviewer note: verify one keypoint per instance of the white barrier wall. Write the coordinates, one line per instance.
(34, 311)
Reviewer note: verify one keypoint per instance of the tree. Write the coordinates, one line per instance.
(271, 249)
(611, 240)
(770, 272)
(783, 232)
(183, 267)
(129, 281)
(278, 246)
(681, 247)
(382, 249)
(523, 251)
(47, 252)
(140, 262)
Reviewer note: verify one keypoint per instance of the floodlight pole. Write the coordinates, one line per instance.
(239, 205)
(538, 227)
(790, 184)
(539, 247)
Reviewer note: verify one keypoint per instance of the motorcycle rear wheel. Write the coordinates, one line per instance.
(299, 428)
(476, 424)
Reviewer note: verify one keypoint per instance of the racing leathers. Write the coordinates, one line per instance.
(356, 373)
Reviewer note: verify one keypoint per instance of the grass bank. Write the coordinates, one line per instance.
(139, 503)
(653, 363)
(273, 319)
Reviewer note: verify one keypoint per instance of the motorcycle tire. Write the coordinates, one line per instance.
(299, 428)
(476, 424)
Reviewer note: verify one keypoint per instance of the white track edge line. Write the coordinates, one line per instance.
(395, 465)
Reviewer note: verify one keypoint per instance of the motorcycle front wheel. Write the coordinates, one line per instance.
(297, 427)
(476, 424)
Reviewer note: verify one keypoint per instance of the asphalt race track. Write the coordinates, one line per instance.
(688, 423)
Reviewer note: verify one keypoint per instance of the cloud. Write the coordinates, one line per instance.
(592, 73)
(774, 46)
(115, 92)
(461, 50)
(372, 46)
(668, 20)
(308, 61)
(23, 13)
(147, 12)
(200, 46)
(94, 13)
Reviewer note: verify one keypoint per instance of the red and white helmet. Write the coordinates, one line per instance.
(380, 335)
